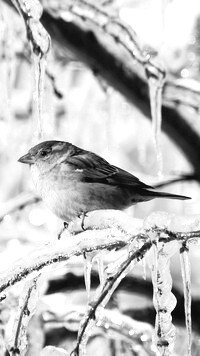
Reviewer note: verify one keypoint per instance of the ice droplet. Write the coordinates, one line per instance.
(186, 277)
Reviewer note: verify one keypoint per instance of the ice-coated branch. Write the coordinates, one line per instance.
(123, 233)
(31, 12)
(42, 258)
(112, 26)
(17, 343)
(118, 272)
(106, 290)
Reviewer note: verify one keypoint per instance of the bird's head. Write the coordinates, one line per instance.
(48, 153)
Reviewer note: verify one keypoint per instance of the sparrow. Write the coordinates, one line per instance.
(73, 181)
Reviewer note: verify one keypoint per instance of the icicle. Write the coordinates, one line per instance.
(144, 275)
(31, 10)
(100, 265)
(88, 260)
(88, 257)
(39, 65)
(156, 82)
(6, 56)
(164, 300)
(186, 276)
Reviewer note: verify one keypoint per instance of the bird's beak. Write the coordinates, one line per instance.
(28, 159)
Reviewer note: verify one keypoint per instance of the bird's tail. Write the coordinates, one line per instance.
(155, 194)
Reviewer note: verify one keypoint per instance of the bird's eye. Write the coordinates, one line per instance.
(43, 153)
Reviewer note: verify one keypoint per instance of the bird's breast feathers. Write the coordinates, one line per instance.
(68, 196)
(60, 192)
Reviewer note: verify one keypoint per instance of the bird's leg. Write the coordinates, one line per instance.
(82, 216)
(65, 226)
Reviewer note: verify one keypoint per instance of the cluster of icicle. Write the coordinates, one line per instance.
(159, 237)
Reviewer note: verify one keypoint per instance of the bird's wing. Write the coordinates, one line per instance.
(95, 169)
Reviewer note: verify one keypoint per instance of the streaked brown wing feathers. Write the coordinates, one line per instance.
(96, 169)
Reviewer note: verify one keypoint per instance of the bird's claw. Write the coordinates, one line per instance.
(83, 216)
(65, 226)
